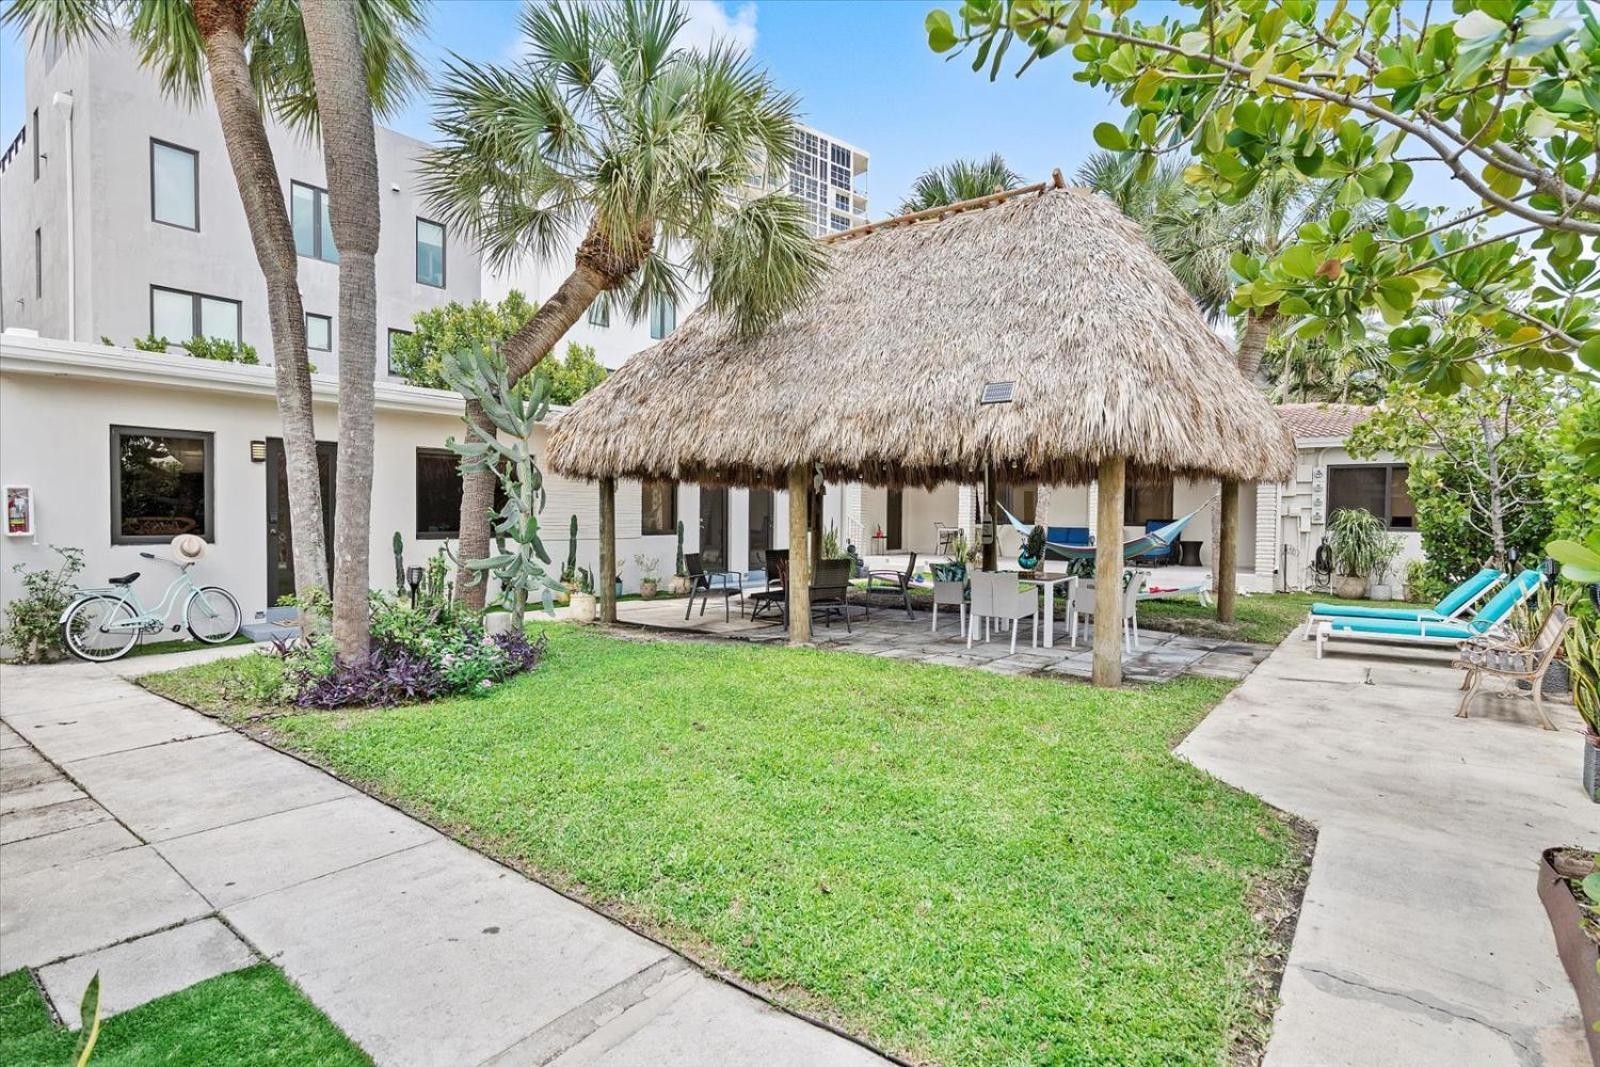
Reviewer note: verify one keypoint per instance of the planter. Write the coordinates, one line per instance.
(1591, 766)
(1382, 592)
(1577, 949)
(1349, 587)
(680, 585)
(648, 587)
(583, 605)
(1558, 679)
(497, 622)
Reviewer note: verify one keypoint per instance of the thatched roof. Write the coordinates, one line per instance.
(879, 377)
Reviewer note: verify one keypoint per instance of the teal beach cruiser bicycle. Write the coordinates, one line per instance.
(101, 625)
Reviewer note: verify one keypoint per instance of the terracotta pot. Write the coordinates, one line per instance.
(1348, 587)
(1576, 949)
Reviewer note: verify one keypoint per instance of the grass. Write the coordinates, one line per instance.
(962, 867)
(162, 648)
(251, 1016)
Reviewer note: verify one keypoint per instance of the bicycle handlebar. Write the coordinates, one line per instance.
(169, 562)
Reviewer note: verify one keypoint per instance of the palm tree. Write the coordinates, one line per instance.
(610, 135)
(344, 110)
(251, 55)
(960, 179)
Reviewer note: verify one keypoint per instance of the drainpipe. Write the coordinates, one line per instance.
(63, 103)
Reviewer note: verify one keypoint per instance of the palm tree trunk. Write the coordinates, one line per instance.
(595, 271)
(221, 25)
(1225, 525)
(344, 108)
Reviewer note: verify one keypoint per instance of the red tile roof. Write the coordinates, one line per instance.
(1323, 420)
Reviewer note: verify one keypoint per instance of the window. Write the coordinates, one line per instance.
(841, 202)
(174, 185)
(179, 316)
(160, 485)
(35, 144)
(1021, 500)
(658, 507)
(313, 229)
(600, 311)
(38, 263)
(663, 316)
(393, 335)
(1143, 503)
(319, 332)
(839, 222)
(430, 253)
(1380, 488)
(439, 494)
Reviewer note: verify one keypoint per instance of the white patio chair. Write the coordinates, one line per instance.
(999, 597)
(1083, 604)
(949, 594)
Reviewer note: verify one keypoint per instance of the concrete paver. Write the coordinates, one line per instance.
(1420, 940)
(146, 968)
(67, 846)
(36, 822)
(114, 724)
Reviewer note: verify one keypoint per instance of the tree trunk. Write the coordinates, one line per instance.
(594, 272)
(1106, 667)
(221, 25)
(1227, 561)
(1253, 342)
(344, 108)
(797, 587)
(1497, 520)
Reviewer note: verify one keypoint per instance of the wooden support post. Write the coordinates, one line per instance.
(991, 518)
(1227, 554)
(797, 591)
(1106, 669)
(607, 578)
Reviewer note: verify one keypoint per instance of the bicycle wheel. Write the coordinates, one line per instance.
(212, 614)
(87, 629)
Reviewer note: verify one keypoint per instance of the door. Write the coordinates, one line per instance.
(895, 520)
(714, 528)
(280, 539)
(760, 528)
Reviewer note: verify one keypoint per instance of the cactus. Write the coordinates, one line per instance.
(569, 573)
(479, 375)
(680, 570)
(399, 564)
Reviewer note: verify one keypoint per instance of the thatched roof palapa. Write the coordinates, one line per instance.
(879, 377)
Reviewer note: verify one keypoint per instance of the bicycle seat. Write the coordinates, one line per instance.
(126, 579)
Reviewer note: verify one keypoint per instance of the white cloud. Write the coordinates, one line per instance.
(713, 20)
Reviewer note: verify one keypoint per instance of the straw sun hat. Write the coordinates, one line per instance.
(187, 547)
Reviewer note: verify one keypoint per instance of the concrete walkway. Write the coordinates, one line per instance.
(1421, 940)
(148, 842)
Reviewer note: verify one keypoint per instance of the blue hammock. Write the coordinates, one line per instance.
(1153, 540)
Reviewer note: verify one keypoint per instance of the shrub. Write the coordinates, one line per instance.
(33, 620)
(221, 351)
(1572, 492)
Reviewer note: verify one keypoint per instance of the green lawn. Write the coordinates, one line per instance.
(251, 1016)
(962, 867)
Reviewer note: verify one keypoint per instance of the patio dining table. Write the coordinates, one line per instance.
(1047, 593)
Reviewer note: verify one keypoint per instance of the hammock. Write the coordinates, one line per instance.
(1152, 541)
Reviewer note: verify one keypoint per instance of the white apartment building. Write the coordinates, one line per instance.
(119, 219)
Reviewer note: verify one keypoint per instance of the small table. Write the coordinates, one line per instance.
(1189, 553)
(1047, 592)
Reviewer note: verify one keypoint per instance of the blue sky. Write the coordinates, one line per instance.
(862, 71)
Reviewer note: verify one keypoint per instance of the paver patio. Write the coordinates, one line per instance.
(1420, 940)
(886, 631)
(147, 842)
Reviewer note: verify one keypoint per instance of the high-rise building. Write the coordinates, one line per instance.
(830, 178)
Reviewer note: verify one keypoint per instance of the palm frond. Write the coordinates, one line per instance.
(68, 22)
(761, 262)
(960, 179)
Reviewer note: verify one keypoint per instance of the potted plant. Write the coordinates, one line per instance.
(680, 573)
(1359, 540)
(582, 600)
(1032, 555)
(1569, 889)
(649, 582)
(1389, 550)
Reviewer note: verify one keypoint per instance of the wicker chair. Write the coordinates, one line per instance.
(1514, 660)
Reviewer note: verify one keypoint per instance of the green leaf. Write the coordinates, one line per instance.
(941, 33)
(1394, 77)
(1110, 138)
(1398, 183)
(1536, 35)
(1263, 66)
(1589, 352)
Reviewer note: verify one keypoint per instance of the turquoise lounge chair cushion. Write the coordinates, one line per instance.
(1499, 606)
(1444, 631)
(1461, 595)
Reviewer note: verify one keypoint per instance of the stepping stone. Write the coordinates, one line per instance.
(141, 970)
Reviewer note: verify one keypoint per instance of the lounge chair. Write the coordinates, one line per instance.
(1514, 661)
(893, 581)
(1453, 606)
(1488, 621)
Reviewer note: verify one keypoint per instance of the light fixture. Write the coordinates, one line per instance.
(414, 580)
(258, 451)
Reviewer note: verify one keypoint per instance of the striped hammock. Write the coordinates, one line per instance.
(1152, 541)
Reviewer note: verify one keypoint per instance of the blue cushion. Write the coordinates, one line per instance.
(1356, 611)
(1499, 606)
(1067, 535)
(1450, 631)
(1467, 591)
